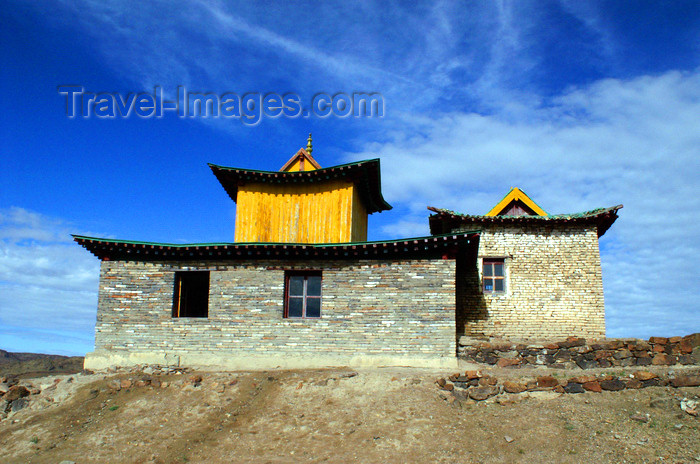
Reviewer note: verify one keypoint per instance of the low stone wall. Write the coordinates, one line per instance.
(475, 386)
(573, 351)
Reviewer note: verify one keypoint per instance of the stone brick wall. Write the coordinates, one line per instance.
(368, 308)
(578, 352)
(553, 284)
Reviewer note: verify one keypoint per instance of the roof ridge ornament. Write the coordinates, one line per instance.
(516, 195)
(302, 159)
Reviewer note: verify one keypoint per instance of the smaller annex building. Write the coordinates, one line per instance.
(300, 285)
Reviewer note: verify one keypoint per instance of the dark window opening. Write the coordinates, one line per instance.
(302, 294)
(191, 294)
(494, 275)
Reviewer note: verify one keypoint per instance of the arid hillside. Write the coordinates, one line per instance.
(341, 415)
(34, 364)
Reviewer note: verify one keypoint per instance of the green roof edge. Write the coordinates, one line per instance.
(232, 168)
(583, 214)
(314, 245)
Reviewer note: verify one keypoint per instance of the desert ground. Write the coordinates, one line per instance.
(378, 415)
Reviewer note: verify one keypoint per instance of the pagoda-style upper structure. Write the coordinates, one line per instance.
(303, 202)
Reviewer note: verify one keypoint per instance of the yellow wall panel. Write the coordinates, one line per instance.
(329, 212)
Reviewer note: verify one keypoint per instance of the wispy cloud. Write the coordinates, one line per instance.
(48, 285)
(472, 110)
(616, 141)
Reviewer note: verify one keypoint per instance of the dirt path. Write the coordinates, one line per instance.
(379, 415)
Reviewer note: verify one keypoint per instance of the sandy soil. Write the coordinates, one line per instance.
(379, 415)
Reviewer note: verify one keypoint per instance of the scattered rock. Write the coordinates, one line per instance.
(612, 385)
(686, 381)
(508, 439)
(514, 387)
(651, 383)
(640, 417)
(15, 392)
(482, 393)
(19, 404)
(547, 381)
(592, 386)
(574, 388)
(690, 406)
(506, 362)
(644, 375)
(125, 383)
(635, 384)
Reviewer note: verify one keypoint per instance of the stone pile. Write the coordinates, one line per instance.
(477, 386)
(149, 369)
(657, 351)
(14, 397)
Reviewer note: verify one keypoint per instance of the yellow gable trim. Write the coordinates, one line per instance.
(301, 161)
(516, 194)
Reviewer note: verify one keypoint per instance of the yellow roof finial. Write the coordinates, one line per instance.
(309, 148)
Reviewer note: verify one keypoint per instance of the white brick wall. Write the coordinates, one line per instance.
(553, 284)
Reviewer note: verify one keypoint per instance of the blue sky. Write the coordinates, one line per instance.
(581, 104)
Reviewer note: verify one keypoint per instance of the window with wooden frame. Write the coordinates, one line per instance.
(494, 275)
(302, 294)
(191, 297)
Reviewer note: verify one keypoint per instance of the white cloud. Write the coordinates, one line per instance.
(616, 141)
(48, 285)
(473, 123)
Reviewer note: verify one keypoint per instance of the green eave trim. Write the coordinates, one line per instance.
(365, 174)
(267, 244)
(259, 171)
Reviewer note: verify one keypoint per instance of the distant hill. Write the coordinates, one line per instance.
(33, 364)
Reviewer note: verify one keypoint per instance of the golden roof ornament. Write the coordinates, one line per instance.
(309, 148)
